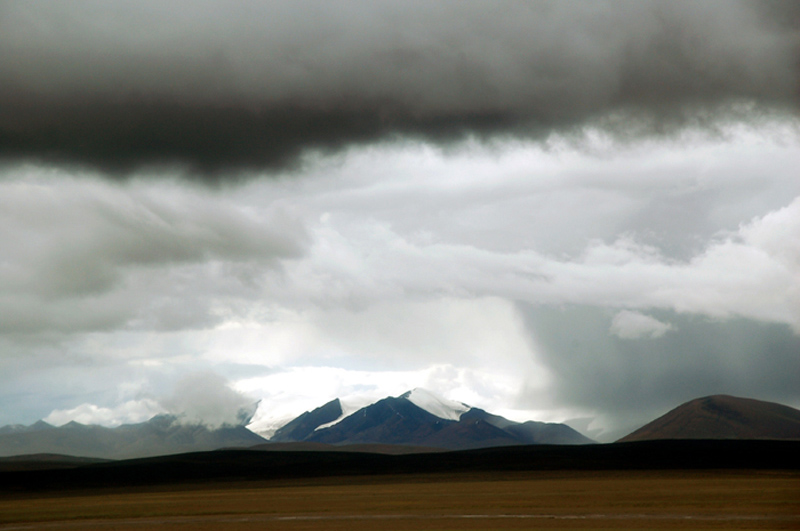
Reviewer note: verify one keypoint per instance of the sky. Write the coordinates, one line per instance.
(582, 212)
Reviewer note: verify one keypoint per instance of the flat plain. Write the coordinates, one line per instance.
(560, 499)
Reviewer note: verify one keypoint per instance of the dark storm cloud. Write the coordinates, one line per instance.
(635, 378)
(210, 86)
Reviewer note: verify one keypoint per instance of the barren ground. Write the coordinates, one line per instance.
(540, 500)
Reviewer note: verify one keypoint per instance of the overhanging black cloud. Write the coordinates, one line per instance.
(207, 139)
(215, 87)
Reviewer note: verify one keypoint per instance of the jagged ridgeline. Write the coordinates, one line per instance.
(416, 421)
(420, 418)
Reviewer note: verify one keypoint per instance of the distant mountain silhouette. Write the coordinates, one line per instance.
(418, 418)
(723, 417)
(160, 435)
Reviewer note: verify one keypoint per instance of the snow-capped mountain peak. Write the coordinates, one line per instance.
(349, 406)
(419, 418)
(435, 405)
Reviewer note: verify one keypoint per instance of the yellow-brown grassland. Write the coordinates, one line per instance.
(671, 499)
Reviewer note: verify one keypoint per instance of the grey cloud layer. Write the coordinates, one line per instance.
(633, 380)
(214, 86)
(79, 255)
(591, 231)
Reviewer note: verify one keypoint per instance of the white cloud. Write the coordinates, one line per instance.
(739, 275)
(749, 271)
(634, 325)
(207, 398)
(129, 412)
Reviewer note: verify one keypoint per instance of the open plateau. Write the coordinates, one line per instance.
(717, 462)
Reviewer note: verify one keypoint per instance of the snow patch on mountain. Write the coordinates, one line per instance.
(349, 406)
(266, 426)
(435, 405)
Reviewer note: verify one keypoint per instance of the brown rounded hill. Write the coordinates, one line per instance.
(723, 417)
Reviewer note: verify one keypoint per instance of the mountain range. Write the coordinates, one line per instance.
(416, 421)
(420, 418)
(161, 435)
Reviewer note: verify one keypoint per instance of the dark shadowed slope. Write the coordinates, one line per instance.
(304, 425)
(723, 417)
(388, 421)
(529, 432)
